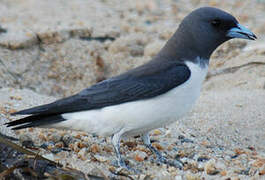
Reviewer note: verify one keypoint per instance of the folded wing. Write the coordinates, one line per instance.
(140, 83)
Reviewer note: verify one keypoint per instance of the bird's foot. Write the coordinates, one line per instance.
(124, 168)
(163, 160)
(159, 158)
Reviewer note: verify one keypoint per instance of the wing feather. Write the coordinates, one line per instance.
(140, 83)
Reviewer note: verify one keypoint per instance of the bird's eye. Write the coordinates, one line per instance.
(216, 22)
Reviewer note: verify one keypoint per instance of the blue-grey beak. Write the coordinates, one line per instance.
(241, 32)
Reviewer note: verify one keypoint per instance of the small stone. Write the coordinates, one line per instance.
(50, 147)
(210, 168)
(158, 146)
(157, 132)
(201, 166)
(223, 173)
(74, 147)
(59, 144)
(82, 144)
(43, 137)
(107, 149)
(31, 129)
(78, 136)
(100, 158)
(259, 163)
(170, 147)
(82, 154)
(239, 151)
(87, 139)
(203, 159)
(94, 148)
(205, 143)
(262, 171)
(190, 176)
(140, 156)
(15, 98)
(130, 144)
(54, 137)
(112, 169)
(67, 139)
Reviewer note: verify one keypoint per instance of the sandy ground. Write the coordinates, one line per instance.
(55, 48)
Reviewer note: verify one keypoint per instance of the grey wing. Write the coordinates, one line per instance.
(140, 83)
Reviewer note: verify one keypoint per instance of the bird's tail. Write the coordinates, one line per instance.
(35, 121)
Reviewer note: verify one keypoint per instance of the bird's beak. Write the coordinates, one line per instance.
(241, 32)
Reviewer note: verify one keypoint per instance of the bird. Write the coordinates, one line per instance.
(149, 96)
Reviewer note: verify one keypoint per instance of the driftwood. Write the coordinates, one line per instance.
(231, 69)
(19, 163)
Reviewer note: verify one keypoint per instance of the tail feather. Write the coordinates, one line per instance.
(35, 121)
(34, 110)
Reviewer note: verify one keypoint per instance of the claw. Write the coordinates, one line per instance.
(159, 158)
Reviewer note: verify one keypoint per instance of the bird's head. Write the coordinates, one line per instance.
(206, 28)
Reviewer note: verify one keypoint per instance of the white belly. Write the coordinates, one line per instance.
(140, 116)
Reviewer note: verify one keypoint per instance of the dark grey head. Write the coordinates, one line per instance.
(202, 31)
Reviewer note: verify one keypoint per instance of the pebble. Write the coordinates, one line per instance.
(101, 158)
(54, 137)
(94, 148)
(262, 171)
(140, 156)
(158, 146)
(203, 158)
(190, 176)
(210, 167)
(107, 149)
(156, 132)
(82, 144)
(18, 98)
(239, 151)
(223, 173)
(67, 139)
(59, 144)
(82, 154)
(258, 163)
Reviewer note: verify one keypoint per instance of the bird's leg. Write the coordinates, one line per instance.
(116, 144)
(147, 142)
(160, 158)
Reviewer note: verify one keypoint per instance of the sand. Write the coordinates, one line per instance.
(53, 49)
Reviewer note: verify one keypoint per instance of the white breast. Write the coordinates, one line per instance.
(143, 115)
